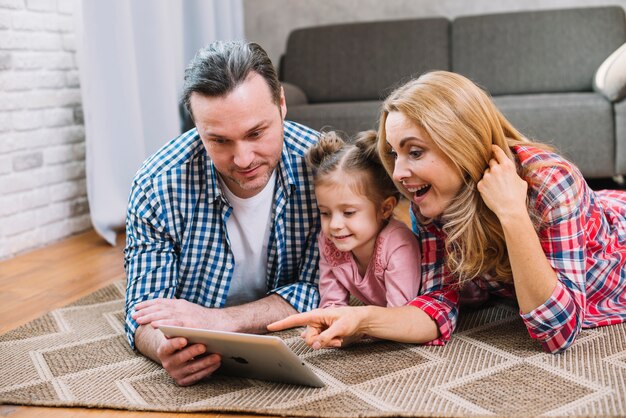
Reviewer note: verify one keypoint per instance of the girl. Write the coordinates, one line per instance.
(364, 252)
(495, 211)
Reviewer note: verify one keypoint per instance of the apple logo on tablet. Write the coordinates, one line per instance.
(240, 360)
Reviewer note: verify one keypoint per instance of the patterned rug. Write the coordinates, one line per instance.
(78, 356)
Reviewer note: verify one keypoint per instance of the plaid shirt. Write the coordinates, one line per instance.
(176, 240)
(584, 239)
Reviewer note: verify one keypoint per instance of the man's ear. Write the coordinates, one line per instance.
(387, 207)
(283, 103)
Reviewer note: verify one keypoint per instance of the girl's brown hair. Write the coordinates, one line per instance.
(336, 161)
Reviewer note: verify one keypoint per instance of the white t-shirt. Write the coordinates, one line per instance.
(248, 228)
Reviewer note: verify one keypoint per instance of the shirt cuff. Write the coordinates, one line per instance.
(553, 324)
(432, 307)
(302, 296)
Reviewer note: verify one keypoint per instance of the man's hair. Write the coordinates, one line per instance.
(221, 66)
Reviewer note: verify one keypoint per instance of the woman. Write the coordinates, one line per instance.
(495, 213)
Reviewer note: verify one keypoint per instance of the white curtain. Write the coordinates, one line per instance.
(131, 58)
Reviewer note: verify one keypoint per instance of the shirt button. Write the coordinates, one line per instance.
(229, 266)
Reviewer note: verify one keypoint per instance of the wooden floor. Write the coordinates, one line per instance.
(37, 282)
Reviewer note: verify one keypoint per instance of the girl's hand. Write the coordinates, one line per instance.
(502, 189)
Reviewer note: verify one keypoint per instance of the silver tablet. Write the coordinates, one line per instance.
(261, 357)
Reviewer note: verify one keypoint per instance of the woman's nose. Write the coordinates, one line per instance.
(400, 171)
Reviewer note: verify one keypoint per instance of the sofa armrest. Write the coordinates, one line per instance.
(294, 95)
(610, 77)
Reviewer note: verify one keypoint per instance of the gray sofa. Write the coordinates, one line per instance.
(539, 67)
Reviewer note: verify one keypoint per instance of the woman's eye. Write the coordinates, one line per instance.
(392, 154)
(348, 213)
(323, 214)
(415, 153)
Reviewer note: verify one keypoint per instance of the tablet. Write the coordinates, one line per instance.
(263, 357)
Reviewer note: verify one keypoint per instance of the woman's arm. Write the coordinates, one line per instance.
(504, 192)
(329, 327)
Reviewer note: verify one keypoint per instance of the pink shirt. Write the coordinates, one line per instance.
(392, 277)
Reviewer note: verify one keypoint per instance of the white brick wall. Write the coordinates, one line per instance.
(43, 196)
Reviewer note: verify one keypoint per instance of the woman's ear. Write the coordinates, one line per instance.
(387, 207)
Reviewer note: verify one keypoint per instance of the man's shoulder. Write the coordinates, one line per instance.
(299, 138)
(174, 155)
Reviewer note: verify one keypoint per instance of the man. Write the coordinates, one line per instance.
(222, 221)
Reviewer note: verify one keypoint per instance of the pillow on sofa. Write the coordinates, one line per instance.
(610, 77)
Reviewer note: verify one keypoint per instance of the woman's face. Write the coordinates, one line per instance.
(424, 171)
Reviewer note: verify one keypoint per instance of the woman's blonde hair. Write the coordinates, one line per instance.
(463, 122)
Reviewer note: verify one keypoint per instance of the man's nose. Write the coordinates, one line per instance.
(243, 155)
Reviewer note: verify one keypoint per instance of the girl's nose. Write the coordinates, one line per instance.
(336, 222)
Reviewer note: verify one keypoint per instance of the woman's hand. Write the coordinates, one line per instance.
(501, 188)
(330, 327)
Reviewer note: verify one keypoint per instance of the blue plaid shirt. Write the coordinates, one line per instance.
(176, 239)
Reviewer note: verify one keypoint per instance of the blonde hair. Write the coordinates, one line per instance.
(356, 163)
(463, 122)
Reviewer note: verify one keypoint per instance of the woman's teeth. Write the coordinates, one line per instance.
(419, 191)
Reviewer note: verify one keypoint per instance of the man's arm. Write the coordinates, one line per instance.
(251, 317)
(182, 361)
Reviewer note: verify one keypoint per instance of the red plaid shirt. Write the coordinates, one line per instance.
(584, 239)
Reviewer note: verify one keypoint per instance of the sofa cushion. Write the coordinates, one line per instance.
(364, 61)
(349, 118)
(579, 125)
(536, 52)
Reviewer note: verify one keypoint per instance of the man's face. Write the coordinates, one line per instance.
(242, 133)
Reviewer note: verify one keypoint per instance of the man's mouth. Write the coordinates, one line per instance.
(248, 171)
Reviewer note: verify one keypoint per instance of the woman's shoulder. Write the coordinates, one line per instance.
(553, 180)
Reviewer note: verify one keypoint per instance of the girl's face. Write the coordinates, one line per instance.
(424, 171)
(350, 220)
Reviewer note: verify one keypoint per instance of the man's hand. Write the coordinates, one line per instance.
(181, 313)
(186, 364)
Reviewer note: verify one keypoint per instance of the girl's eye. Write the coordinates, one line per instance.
(323, 214)
(349, 213)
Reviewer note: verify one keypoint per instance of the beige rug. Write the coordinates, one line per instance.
(78, 356)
